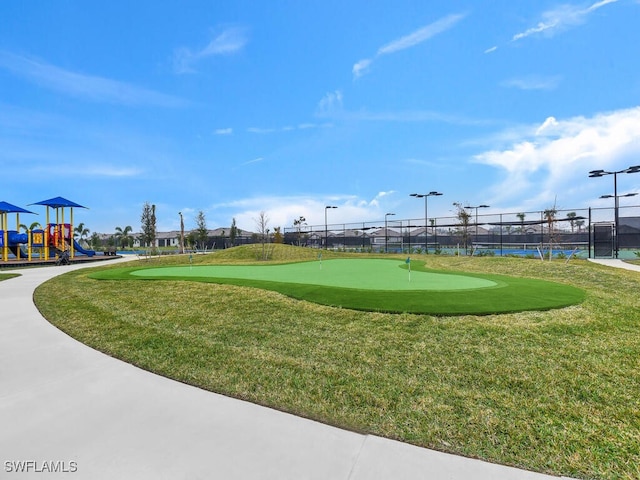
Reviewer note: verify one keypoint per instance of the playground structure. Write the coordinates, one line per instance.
(45, 243)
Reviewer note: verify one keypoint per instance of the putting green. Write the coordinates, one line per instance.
(372, 274)
(376, 285)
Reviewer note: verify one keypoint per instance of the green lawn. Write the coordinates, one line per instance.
(553, 391)
(383, 285)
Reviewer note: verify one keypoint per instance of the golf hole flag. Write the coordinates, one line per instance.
(408, 262)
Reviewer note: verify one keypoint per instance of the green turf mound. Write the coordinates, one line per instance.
(373, 274)
(376, 285)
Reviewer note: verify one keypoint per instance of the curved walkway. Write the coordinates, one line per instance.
(615, 263)
(65, 407)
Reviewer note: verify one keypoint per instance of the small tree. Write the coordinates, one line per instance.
(298, 225)
(262, 223)
(277, 235)
(202, 233)
(94, 241)
(463, 229)
(192, 239)
(148, 224)
(233, 233)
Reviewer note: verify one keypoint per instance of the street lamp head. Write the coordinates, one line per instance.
(606, 196)
(629, 195)
(435, 194)
(417, 195)
(387, 214)
(597, 173)
(483, 206)
(330, 206)
(634, 169)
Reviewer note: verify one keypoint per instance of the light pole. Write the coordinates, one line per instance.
(425, 196)
(326, 232)
(602, 173)
(479, 206)
(386, 230)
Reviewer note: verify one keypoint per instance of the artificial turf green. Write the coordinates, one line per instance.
(378, 285)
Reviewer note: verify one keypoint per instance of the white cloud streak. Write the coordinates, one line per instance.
(86, 87)
(421, 35)
(408, 41)
(561, 18)
(228, 42)
(533, 82)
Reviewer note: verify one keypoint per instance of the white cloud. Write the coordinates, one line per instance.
(533, 82)
(91, 171)
(283, 210)
(224, 131)
(411, 40)
(228, 42)
(330, 103)
(421, 35)
(560, 18)
(360, 68)
(549, 124)
(491, 49)
(86, 87)
(557, 153)
(260, 130)
(255, 160)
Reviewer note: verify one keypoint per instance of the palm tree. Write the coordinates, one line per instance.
(124, 235)
(94, 241)
(550, 217)
(572, 220)
(80, 232)
(521, 216)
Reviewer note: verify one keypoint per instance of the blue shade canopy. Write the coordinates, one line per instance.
(9, 208)
(58, 202)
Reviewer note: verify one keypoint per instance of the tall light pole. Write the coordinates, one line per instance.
(479, 206)
(386, 230)
(425, 196)
(326, 232)
(602, 173)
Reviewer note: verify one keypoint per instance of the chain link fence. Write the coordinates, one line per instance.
(582, 232)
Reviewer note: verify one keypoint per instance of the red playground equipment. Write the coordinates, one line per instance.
(52, 241)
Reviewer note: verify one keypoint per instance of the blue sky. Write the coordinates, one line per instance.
(285, 107)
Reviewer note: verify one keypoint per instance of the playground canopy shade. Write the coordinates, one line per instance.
(58, 202)
(6, 207)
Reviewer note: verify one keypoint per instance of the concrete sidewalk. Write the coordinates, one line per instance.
(65, 407)
(615, 263)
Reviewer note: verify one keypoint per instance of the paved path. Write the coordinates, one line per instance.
(616, 263)
(68, 408)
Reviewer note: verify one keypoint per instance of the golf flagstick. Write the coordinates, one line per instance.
(408, 262)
